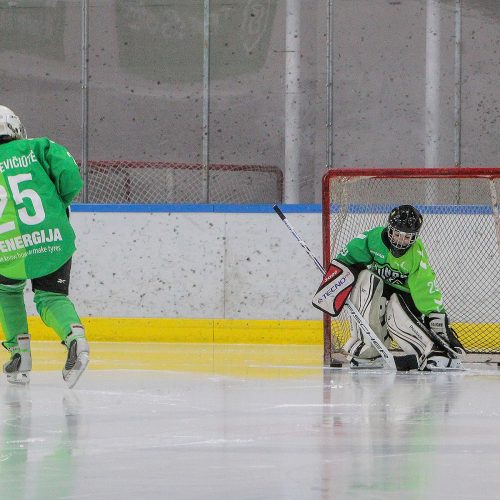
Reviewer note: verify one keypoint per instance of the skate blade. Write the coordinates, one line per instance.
(19, 378)
(72, 376)
(361, 368)
(443, 370)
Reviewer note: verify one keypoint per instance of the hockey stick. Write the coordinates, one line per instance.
(356, 315)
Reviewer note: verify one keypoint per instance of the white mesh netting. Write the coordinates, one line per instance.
(118, 181)
(461, 233)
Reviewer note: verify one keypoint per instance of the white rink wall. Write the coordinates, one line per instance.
(201, 265)
(193, 265)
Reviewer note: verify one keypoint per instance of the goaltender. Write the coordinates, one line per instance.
(38, 181)
(395, 290)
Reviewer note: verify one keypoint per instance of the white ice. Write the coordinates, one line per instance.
(285, 432)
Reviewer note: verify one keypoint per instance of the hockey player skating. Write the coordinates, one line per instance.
(395, 290)
(38, 181)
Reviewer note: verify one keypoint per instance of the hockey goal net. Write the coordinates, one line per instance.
(461, 233)
(158, 182)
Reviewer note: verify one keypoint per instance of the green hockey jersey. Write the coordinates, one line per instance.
(410, 273)
(38, 181)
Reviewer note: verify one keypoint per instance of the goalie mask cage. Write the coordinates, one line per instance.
(461, 233)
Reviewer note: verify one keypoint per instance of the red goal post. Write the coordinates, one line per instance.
(461, 233)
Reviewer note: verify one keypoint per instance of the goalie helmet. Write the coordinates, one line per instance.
(403, 227)
(10, 125)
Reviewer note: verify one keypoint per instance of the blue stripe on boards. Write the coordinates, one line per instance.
(193, 207)
(268, 208)
(430, 209)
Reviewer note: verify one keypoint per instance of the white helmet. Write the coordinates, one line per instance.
(10, 124)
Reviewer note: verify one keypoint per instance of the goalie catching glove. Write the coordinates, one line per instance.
(334, 289)
(438, 323)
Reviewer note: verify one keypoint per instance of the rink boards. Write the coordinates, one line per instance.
(223, 331)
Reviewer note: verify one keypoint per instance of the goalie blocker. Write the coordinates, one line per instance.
(335, 288)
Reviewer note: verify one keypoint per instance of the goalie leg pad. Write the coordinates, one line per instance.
(406, 331)
(367, 298)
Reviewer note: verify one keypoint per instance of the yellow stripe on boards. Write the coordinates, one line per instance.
(479, 336)
(229, 331)
(135, 330)
(234, 331)
(222, 331)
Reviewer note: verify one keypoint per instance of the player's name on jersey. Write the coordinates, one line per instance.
(30, 239)
(18, 162)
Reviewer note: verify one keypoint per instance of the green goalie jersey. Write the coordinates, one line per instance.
(38, 181)
(410, 273)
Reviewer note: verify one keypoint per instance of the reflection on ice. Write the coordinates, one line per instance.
(284, 428)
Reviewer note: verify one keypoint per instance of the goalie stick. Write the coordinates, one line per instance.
(356, 315)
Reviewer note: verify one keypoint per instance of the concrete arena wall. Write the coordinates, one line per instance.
(185, 276)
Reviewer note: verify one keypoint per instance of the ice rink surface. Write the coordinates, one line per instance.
(179, 421)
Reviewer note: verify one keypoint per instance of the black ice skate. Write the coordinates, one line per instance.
(18, 367)
(78, 355)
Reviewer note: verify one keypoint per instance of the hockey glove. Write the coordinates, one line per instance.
(439, 324)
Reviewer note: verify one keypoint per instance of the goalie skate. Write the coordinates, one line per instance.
(366, 364)
(18, 367)
(78, 356)
(437, 362)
